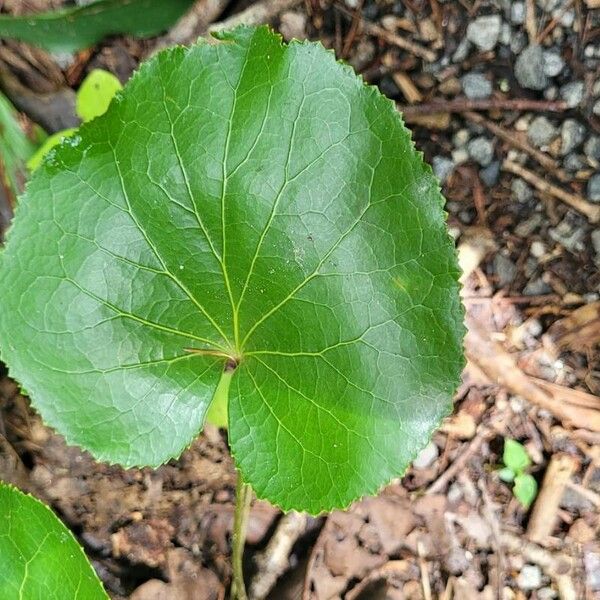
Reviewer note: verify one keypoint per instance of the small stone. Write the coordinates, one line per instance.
(573, 162)
(569, 234)
(529, 68)
(490, 174)
(476, 86)
(517, 13)
(581, 532)
(521, 191)
(553, 63)
(596, 108)
(538, 249)
(536, 287)
(591, 560)
(592, 147)
(572, 93)
(546, 593)
(462, 51)
(526, 228)
(460, 156)
(541, 132)
(505, 270)
(481, 150)
(530, 577)
(426, 457)
(505, 35)
(593, 188)
(461, 137)
(518, 42)
(574, 501)
(572, 135)
(442, 167)
(484, 32)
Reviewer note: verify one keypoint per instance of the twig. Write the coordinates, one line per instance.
(591, 211)
(243, 499)
(459, 105)
(259, 12)
(543, 516)
(510, 138)
(530, 22)
(483, 434)
(393, 38)
(424, 573)
(553, 22)
(274, 561)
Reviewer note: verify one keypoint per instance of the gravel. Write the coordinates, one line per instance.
(572, 135)
(592, 147)
(481, 150)
(442, 167)
(529, 68)
(517, 13)
(572, 93)
(530, 577)
(521, 192)
(596, 109)
(541, 132)
(536, 287)
(552, 63)
(476, 86)
(426, 457)
(490, 174)
(593, 188)
(484, 32)
(505, 270)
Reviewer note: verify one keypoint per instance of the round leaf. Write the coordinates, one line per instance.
(252, 206)
(40, 557)
(525, 489)
(95, 94)
(515, 456)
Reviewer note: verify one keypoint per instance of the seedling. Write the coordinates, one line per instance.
(248, 229)
(516, 461)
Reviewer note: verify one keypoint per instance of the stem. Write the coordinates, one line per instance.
(243, 498)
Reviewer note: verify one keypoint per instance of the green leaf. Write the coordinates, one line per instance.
(79, 27)
(506, 475)
(51, 141)
(515, 456)
(16, 147)
(40, 557)
(251, 206)
(96, 93)
(525, 489)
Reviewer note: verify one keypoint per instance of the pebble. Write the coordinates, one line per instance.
(505, 270)
(536, 287)
(460, 156)
(553, 63)
(484, 32)
(529, 68)
(476, 86)
(490, 174)
(596, 245)
(518, 42)
(593, 188)
(426, 457)
(530, 577)
(462, 51)
(461, 137)
(596, 108)
(573, 162)
(591, 561)
(517, 13)
(572, 134)
(574, 501)
(572, 93)
(442, 167)
(592, 147)
(481, 150)
(546, 593)
(521, 191)
(568, 234)
(541, 132)
(538, 249)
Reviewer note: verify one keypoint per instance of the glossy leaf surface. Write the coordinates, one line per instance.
(79, 27)
(40, 559)
(253, 205)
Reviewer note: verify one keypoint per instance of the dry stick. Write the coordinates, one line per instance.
(393, 38)
(591, 211)
(530, 23)
(459, 105)
(255, 14)
(510, 138)
(424, 572)
(545, 509)
(274, 561)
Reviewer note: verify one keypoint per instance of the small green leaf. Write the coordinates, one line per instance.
(249, 207)
(40, 558)
(96, 93)
(525, 489)
(71, 29)
(515, 456)
(54, 140)
(16, 148)
(506, 474)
